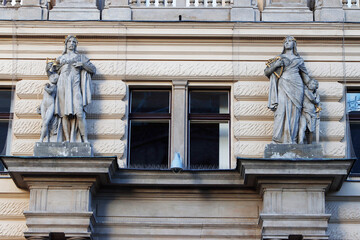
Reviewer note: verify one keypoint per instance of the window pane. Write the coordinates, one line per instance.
(355, 138)
(150, 101)
(5, 100)
(149, 144)
(209, 145)
(209, 102)
(3, 135)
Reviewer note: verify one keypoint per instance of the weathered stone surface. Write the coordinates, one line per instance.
(26, 108)
(63, 149)
(12, 207)
(343, 210)
(260, 89)
(12, 230)
(329, 130)
(256, 149)
(293, 151)
(104, 147)
(104, 89)
(99, 128)
(254, 109)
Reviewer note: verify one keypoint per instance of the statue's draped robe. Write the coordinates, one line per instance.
(287, 95)
(74, 86)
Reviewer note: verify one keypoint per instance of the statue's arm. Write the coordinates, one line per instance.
(272, 65)
(304, 73)
(87, 65)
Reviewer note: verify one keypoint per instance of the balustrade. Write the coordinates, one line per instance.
(208, 3)
(351, 3)
(153, 3)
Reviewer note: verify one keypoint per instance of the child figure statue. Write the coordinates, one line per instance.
(310, 113)
(47, 108)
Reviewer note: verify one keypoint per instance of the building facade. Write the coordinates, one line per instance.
(179, 81)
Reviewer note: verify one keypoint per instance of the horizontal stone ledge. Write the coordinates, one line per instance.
(103, 89)
(260, 90)
(330, 172)
(262, 130)
(185, 177)
(27, 108)
(97, 128)
(255, 149)
(245, 110)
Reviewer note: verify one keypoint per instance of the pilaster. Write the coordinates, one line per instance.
(61, 190)
(293, 192)
(329, 10)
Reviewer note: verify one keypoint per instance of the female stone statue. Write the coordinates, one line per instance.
(287, 74)
(73, 91)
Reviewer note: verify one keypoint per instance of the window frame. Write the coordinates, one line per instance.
(353, 117)
(7, 117)
(148, 117)
(208, 118)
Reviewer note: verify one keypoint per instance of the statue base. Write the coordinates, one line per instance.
(293, 151)
(63, 149)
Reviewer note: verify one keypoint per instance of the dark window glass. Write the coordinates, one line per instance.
(355, 139)
(149, 144)
(150, 101)
(204, 147)
(209, 102)
(5, 119)
(5, 101)
(149, 129)
(209, 129)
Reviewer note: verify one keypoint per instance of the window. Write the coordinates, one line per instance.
(149, 132)
(209, 117)
(5, 121)
(353, 109)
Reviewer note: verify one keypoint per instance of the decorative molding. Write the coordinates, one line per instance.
(104, 89)
(99, 128)
(27, 108)
(181, 68)
(260, 89)
(255, 109)
(13, 207)
(329, 130)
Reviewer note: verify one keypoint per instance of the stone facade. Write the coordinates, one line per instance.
(257, 198)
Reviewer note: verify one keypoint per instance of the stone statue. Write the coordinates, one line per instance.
(47, 108)
(73, 91)
(310, 112)
(288, 75)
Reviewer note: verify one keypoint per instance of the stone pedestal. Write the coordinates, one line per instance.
(330, 10)
(75, 10)
(116, 10)
(291, 151)
(293, 192)
(60, 192)
(62, 149)
(284, 11)
(243, 10)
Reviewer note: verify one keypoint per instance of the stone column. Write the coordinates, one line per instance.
(244, 10)
(116, 10)
(179, 119)
(329, 10)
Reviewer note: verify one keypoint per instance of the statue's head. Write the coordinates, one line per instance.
(290, 44)
(70, 43)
